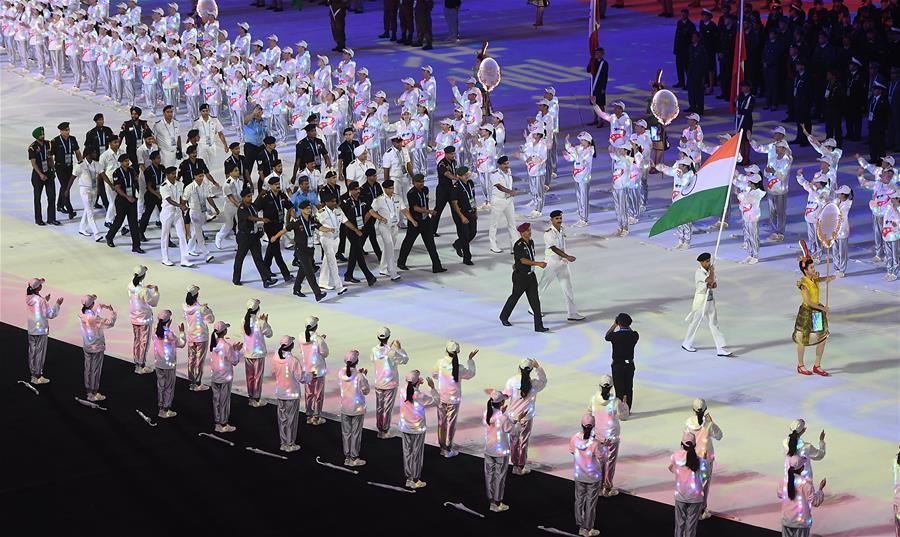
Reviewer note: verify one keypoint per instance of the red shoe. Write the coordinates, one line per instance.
(819, 371)
(803, 371)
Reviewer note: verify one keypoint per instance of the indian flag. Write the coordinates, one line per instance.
(705, 193)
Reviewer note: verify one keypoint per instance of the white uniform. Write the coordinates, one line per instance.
(86, 172)
(704, 305)
(172, 216)
(328, 275)
(558, 268)
(485, 153)
(197, 195)
(208, 146)
(167, 139)
(229, 188)
(390, 209)
(503, 210)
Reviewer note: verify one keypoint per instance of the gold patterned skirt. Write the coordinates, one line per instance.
(805, 333)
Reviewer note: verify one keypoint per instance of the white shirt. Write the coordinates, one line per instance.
(331, 218)
(86, 171)
(389, 208)
(498, 177)
(209, 130)
(109, 161)
(171, 190)
(143, 154)
(554, 237)
(356, 171)
(166, 135)
(395, 160)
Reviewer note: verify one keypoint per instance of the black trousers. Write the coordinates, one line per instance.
(681, 65)
(441, 199)
(465, 234)
(64, 176)
(390, 16)
(695, 95)
(305, 258)
(406, 19)
(804, 121)
(412, 233)
(853, 119)
(101, 194)
(250, 153)
(356, 256)
(342, 243)
(247, 242)
(877, 142)
(273, 251)
(370, 235)
(338, 28)
(38, 187)
(833, 127)
(423, 21)
(150, 202)
(125, 209)
(527, 284)
(623, 382)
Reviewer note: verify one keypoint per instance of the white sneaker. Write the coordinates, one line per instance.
(534, 214)
(409, 484)
(705, 514)
(357, 462)
(326, 287)
(839, 274)
(632, 220)
(752, 261)
(41, 380)
(284, 447)
(689, 349)
(168, 263)
(746, 260)
(292, 448)
(187, 265)
(611, 492)
(581, 223)
(218, 244)
(201, 388)
(418, 484)
(499, 507)
(228, 428)
(592, 533)
(891, 277)
(452, 453)
(876, 259)
(193, 254)
(348, 461)
(219, 429)
(496, 250)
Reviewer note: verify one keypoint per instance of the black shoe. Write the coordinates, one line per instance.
(320, 297)
(385, 35)
(542, 329)
(40, 222)
(98, 206)
(350, 279)
(171, 244)
(144, 238)
(468, 262)
(269, 283)
(106, 224)
(239, 283)
(419, 44)
(299, 293)
(157, 224)
(124, 231)
(341, 292)
(60, 209)
(437, 270)
(295, 263)
(289, 278)
(459, 251)
(110, 243)
(436, 234)
(138, 250)
(72, 215)
(372, 281)
(504, 322)
(54, 222)
(427, 46)
(340, 257)
(401, 267)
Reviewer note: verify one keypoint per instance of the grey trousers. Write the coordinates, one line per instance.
(253, 367)
(684, 232)
(586, 496)
(634, 201)
(165, 388)
(892, 257)
(552, 159)
(751, 238)
(495, 477)
(877, 224)
(686, 517)
(777, 212)
(93, 364)
(794, 532)
(37, 353)
(351, 434)
(384, 407)
(583, 200)
(536, 186)
(413, 455)
(196, 357)
(518, 445)
(221, 401)
(315, 396)
(447, 415)
(710, 463)
(141, 343)
(620, 202)
(841, 255)
(609, 468)
(288, 413)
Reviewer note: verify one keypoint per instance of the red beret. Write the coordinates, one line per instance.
(523, 227)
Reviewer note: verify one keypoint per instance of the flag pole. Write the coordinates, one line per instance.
(727, 197)
(740, 69)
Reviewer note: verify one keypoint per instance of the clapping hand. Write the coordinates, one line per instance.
(430, 382)
(474, 352)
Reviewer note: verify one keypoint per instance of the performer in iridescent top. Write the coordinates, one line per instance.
(256, 331)
(701, 425)
(798, 497)
(39, 312)
(142, 299)
(289, 375)
(522, 391)
(93, 325)
(313, 352)
(589, 453)
(413, 425)
(386, 356)
(354, 388)
(196, 317)
(166, 343)
(607, 410)
(690, 476)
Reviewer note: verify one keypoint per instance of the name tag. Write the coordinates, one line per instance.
(310, 242)
(172, 142)
(44, 166)
(202, 204)
(359, 222)
(257, 227)
(68, 159)
(471, 202)
(393, 220)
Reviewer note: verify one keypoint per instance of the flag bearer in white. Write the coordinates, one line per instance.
(704, 306)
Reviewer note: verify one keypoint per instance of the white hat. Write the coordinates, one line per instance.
(159, 10)
(381, 94)
(312, 321)
(384, 332)
(620, 104)
(193, 290)
(363, 71)
(88, 300)
(619, 143)
(446, 121)
(223, 33)
(782, 143)
(351, 357)
(188, 20)
(173, 5)
(498, 115)
(830, 142)
(585, 136)
(754, 178)
(244, 25)
(887, 159)
(688, 437)
(699, 404)
(605, 380)
(164, 315)
(452, 346)
(487, 127)
(273, 37)
(856, 61)
(779, 130)
(360, 149)
(413, 376)
(372, 104)
(496, 395)
(824, 159)
(409, 80)
(428, 68)
(140, 270)
(122, 5)
(587, 420)
(473, 91)
(458, 109)
(753, 168)
(220, 326)
(684, 162)
(895, 195)
(285, 341)
(551, 90)
(798, 426)
(302, 43)
(526, 363)
(543, 102)
(695, 117)
(258, 43)
(323, 58)
(844, 189)
(348, 51)
(641, 123)
(471, 80)
(252, 303)
(287, 50)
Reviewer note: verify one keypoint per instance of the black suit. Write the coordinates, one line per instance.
(854, 105)
(64, 159)
(523, 281)
(442, 194)
(419, 198)
(355, 211)
(681, 49)
(879, 117)
(832, 103)
(274, 207)
(132, 134)
(697, 72)
(802, 105)
(128, 182)
(248, 241)
(464, 196)
(338, 16)
(153, 175)
(367, 193)
(304, 252)
(599, 79)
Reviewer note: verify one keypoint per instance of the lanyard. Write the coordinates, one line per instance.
(127, 178)
(357, 210)
(269, 158)
(238, 162)
(171, 132)
(101, 139)
(155, 175)
(373, 190)
(424, 199)
(530, 249)
(207, 131)
(335, 191)
(42, 152)
(139, 130)
(470, 192)
(278, 203)
(307, 226)
(315, 149)
(391, 207)
(66, 146)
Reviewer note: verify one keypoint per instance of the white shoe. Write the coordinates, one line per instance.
(752, 261)
(743, 246)
(168, 263)
(496, 250)
(689, 349)
(292, 448)
(200, 388)
(746, 260)
(580, 223)
(534, 214)
(193, 254)
(187, 265)
(838, 274)
(418, 484)
(219, 429)
(326, 287)
(451, 453)
(218, 244)
(611, 492)
(41, 380)
(499, 507)
(409, 484)
(876, 259)
(209, 259)
(576, 317)
(592, 533)
(228, 428)
(357, 462)
(705, 514)
(348, 461)
(632, 220)
(891, 277)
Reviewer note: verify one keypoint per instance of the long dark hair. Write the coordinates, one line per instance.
(586, 431)
(250, 312)
(29, 291)
(792, 443)
(349, 370)
(525, 384)
(307, 333)
(491, 406)
(285, 348)
(161, 328)
(791, 487)
(138, 278)
(692, 461)
(455, 364)
(214, 339)
(190, 299)
(605, 391)
(700, 414)
(85, 308)
(411, 391)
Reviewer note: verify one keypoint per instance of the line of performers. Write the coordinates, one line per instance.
(300, 366)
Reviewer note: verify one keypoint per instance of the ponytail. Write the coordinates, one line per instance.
(137, 280)
(308, 333)
(214, 340)
(29, 291)
(700, 414)
(525, 384)
(791, 487)
(285, 348)
(792, 443)
(455, 357)
(85, 309)
(410, 391)
(586, 431)
(190, 299)
(604, 392)
(692, 461)
(247, 316)
(349, 370)
(161, 329)
(489, 412)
